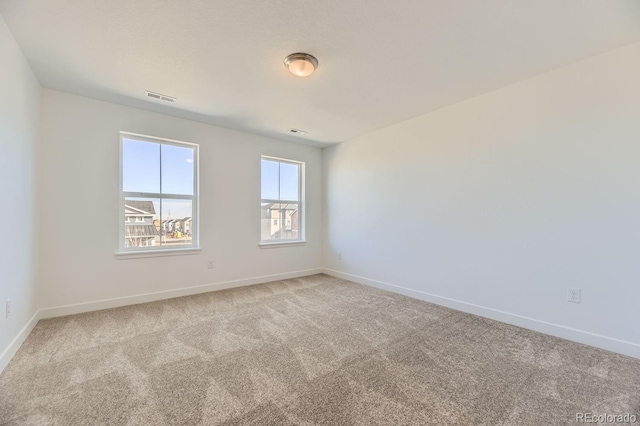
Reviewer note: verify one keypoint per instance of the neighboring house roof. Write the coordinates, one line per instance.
(138, 231)
(139, 207)
(170, 221)
(281, 206)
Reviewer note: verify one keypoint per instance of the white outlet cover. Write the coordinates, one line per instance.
(574, 295)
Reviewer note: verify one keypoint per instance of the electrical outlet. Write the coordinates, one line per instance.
(339, 256)
(7, 308)
(573, 295)
(211, 264)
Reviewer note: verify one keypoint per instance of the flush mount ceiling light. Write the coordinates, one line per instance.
(301, 64)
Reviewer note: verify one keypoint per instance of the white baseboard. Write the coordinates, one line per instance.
(15, 344)
(580, 336)
(78, 308)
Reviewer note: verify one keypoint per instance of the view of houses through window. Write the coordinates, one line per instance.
(158, 193)
(144, 228)
(281, 203)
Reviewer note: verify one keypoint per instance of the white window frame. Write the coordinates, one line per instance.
(160, 250)
(301, 204)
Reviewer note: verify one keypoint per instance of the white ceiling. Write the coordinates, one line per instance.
(381, 61)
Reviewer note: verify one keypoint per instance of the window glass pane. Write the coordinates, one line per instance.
(141, 223)
(177, 170)
(140, 166)
(280, 221)
(289, 181)
(270, 180)
(176, 226)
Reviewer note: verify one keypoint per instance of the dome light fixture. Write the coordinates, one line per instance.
(301, 64)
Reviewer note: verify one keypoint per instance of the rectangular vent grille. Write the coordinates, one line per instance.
(297, 132)
(160, 96)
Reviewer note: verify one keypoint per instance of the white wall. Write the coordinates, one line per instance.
(20, 94)
(498, 204)
(79, 226)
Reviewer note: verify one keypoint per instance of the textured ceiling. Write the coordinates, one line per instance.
(381, 61)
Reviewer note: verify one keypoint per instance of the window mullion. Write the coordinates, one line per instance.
(282, 216)
(160, 221)
(141, 194)
(160, 166)
(267, 200)
(177, 196)
(160, 174)
(300, 206)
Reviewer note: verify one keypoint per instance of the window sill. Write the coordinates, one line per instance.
(156, 253)
(281, 244)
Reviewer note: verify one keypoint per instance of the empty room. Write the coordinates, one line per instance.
(423, 212)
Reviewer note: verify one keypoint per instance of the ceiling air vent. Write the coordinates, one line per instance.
(296, 132)
(160, 96)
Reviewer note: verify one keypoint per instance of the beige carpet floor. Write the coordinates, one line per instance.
(307, 351)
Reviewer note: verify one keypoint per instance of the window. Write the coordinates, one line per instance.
(158, 189)
(282, 200)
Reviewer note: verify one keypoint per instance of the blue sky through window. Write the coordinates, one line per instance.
(280, 180)
(270, 179)
(141, 173)
(177, 170)
(140, 166)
